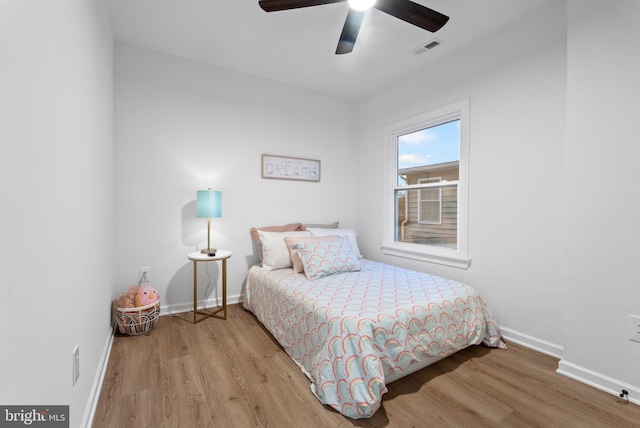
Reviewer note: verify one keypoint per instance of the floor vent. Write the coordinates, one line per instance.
(431, 44)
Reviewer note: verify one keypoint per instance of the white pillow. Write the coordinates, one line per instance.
(350, 233)
(275, 254)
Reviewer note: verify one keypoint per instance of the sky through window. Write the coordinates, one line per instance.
(430, 146)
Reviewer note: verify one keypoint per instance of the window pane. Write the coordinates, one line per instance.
(409, 228)
(426, 150)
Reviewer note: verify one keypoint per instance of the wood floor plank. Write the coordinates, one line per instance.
(142, 373)
(111, 394)
(183, 397)
(232, 373)
(137, 410)
(225, 396)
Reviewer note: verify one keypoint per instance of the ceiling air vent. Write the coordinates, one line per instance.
(432, 44)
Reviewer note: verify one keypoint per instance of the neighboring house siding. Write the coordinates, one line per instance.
(444, 233)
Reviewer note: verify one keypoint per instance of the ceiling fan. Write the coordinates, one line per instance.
(405, 10)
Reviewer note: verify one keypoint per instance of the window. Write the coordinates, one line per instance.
(427, 165)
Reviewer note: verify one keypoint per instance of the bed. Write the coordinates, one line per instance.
(354, 325)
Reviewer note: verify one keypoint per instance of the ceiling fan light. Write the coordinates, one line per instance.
(361, 4)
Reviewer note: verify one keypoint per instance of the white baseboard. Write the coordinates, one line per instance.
(598, 380)
(574, 371)
(531, 342)
(177, 308)
(94, 396)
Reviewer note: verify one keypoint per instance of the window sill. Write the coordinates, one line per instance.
(433, 255)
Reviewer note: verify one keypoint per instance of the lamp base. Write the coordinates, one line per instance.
(209, 251)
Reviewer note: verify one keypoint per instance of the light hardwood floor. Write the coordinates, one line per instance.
(233, 374)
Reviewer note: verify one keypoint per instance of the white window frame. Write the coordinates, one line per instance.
(421, 200)
(458, 257)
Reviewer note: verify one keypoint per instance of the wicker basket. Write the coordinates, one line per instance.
(136, 321)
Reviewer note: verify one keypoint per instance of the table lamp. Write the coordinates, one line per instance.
(209, 204)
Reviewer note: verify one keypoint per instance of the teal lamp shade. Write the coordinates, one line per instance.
(209, 205)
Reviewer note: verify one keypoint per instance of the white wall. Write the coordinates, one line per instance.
(57, 210)
(516, 83)
(553, 208)
(183, 126)
(603, 203)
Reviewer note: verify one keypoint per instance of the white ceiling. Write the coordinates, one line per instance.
(297, 46)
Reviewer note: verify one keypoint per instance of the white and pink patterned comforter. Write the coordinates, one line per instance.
(350, 330)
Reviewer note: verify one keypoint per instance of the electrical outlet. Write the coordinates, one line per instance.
(634, 328)
(76, 364)
(144, 274)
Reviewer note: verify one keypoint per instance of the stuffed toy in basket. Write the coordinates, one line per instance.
(137, 310)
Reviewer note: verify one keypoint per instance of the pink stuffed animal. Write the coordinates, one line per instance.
(128, 299)
(146, 295)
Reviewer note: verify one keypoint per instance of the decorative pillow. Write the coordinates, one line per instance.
(275, 254)
(286, 228)
(350, 233)
(327, 258)
(291, 242)
(333, 225)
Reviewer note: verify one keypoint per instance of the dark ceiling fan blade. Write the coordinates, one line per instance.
(413, 13)
(350, 31)
(276, 5)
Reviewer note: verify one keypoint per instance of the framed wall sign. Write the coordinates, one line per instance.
(288, 168)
